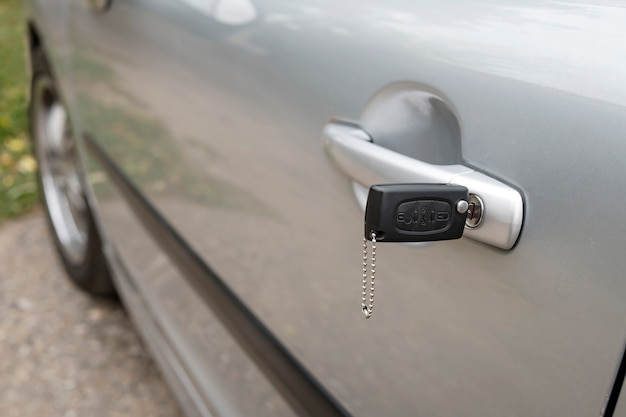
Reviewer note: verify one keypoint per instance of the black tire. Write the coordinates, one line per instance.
(90, 273)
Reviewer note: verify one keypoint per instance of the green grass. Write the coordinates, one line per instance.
(18, 188)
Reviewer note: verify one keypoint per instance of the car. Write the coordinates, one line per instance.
(210, 162)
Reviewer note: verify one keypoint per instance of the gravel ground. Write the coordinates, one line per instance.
(63, 353)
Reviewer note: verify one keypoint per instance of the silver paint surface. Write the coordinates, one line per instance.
(215, 110)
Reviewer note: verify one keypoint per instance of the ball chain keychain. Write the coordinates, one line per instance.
(410, 213)
(367, 309)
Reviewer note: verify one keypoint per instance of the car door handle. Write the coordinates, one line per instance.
(354, 153)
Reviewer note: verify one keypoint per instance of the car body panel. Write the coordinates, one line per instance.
(215, 116)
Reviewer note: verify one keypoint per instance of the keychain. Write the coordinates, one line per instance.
(367, 309)
(409, 213)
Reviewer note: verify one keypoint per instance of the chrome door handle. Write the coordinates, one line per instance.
(354, 153)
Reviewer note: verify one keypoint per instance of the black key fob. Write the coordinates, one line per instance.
(416, 212)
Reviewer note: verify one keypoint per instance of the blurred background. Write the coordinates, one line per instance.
(62, 353)
(18, 189)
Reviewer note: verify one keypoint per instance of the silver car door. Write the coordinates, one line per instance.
(213, 113)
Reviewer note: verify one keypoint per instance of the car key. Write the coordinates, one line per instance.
(410, 213)
(416, 212)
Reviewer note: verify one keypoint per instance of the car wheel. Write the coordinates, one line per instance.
(69, 216)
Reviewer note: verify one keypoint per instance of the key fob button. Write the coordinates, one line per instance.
(405, 216)
(434, 215)
(423, 216)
